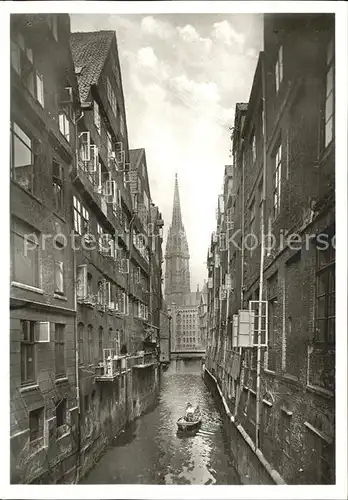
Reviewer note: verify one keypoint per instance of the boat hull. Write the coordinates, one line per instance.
(183, 425)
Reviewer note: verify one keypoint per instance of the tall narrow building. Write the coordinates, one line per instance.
(177, 275)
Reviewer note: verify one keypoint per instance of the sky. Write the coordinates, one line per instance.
(182, 76)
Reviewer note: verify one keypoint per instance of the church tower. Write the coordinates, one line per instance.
(177, 274)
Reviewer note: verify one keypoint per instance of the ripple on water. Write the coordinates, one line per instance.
(151, 451)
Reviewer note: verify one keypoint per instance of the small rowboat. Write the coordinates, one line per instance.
(185, 425)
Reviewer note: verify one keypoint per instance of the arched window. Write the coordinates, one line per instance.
(90, 344)
(80, 335)
(110, 338)
(100, 296)
(100, 343)
(117, 342)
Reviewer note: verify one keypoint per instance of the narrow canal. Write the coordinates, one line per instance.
(151, 451)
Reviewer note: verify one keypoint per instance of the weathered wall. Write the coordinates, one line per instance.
(244, 459)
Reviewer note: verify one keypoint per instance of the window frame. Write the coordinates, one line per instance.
(27, 69)
(17, 232)
(59, 350)
(100, 342)
(277, 181)
(80, 217)
(58, 182)
(64, 125)
(326, 269)
(23, 353)
(285, 422)
(279, 68)
(111, 97)
(90, 344)
(96, 116)
(61, 411)
(14, 135)
(40, 425)
(329, 67)
(59, 263)
(81, 339)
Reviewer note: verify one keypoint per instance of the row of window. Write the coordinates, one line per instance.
(23, 158)
(97, 115)
(324, 328)
(22, 61)
(89, 350)
(328, 124)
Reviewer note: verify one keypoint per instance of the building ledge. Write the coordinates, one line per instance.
(60, 297)
(61, 380)
(144, 365)
(107, 378)
(23, 286)
(29, 388)
(316, 431)
(319, 390)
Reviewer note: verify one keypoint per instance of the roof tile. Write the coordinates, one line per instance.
(89, 51)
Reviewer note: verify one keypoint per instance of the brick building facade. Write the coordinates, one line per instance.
(44, 410)
(86, 284)
(282, 183)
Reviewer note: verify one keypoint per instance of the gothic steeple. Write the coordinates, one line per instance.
(176, 216)
(177, 275)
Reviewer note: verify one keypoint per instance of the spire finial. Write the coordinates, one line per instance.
(176, 217)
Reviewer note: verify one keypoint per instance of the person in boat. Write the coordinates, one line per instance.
(189, 412)
(196, 413)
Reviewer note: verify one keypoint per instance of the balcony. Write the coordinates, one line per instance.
(111, 367)
(144, 360)
(139, 291)
(87, 180)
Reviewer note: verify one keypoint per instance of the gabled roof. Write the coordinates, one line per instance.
(89, 51)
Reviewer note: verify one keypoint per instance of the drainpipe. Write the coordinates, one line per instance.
(130, 227)
(241, 297)
(78, 464)
(262, 256)
(242, 251)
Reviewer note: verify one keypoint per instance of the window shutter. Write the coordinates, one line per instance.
(93, 162)
(280, 63)
(126, 304)
(85, 146)
(108, 293)
(40, 89)
(42, 331)
(16, 57)
(246, 320)
(98, 183)
(235, 331)
(81, 281)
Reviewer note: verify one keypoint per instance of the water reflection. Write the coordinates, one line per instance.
(153, 451)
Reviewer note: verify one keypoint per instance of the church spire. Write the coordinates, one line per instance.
(176, 217)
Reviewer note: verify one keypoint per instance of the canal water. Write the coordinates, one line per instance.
(151, 451)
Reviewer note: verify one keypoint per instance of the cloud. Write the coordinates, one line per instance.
(196, 92)
(182, 77)
(223, 32)
(251, 52)
(147, 57)
(189, 34)
(161, 29)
